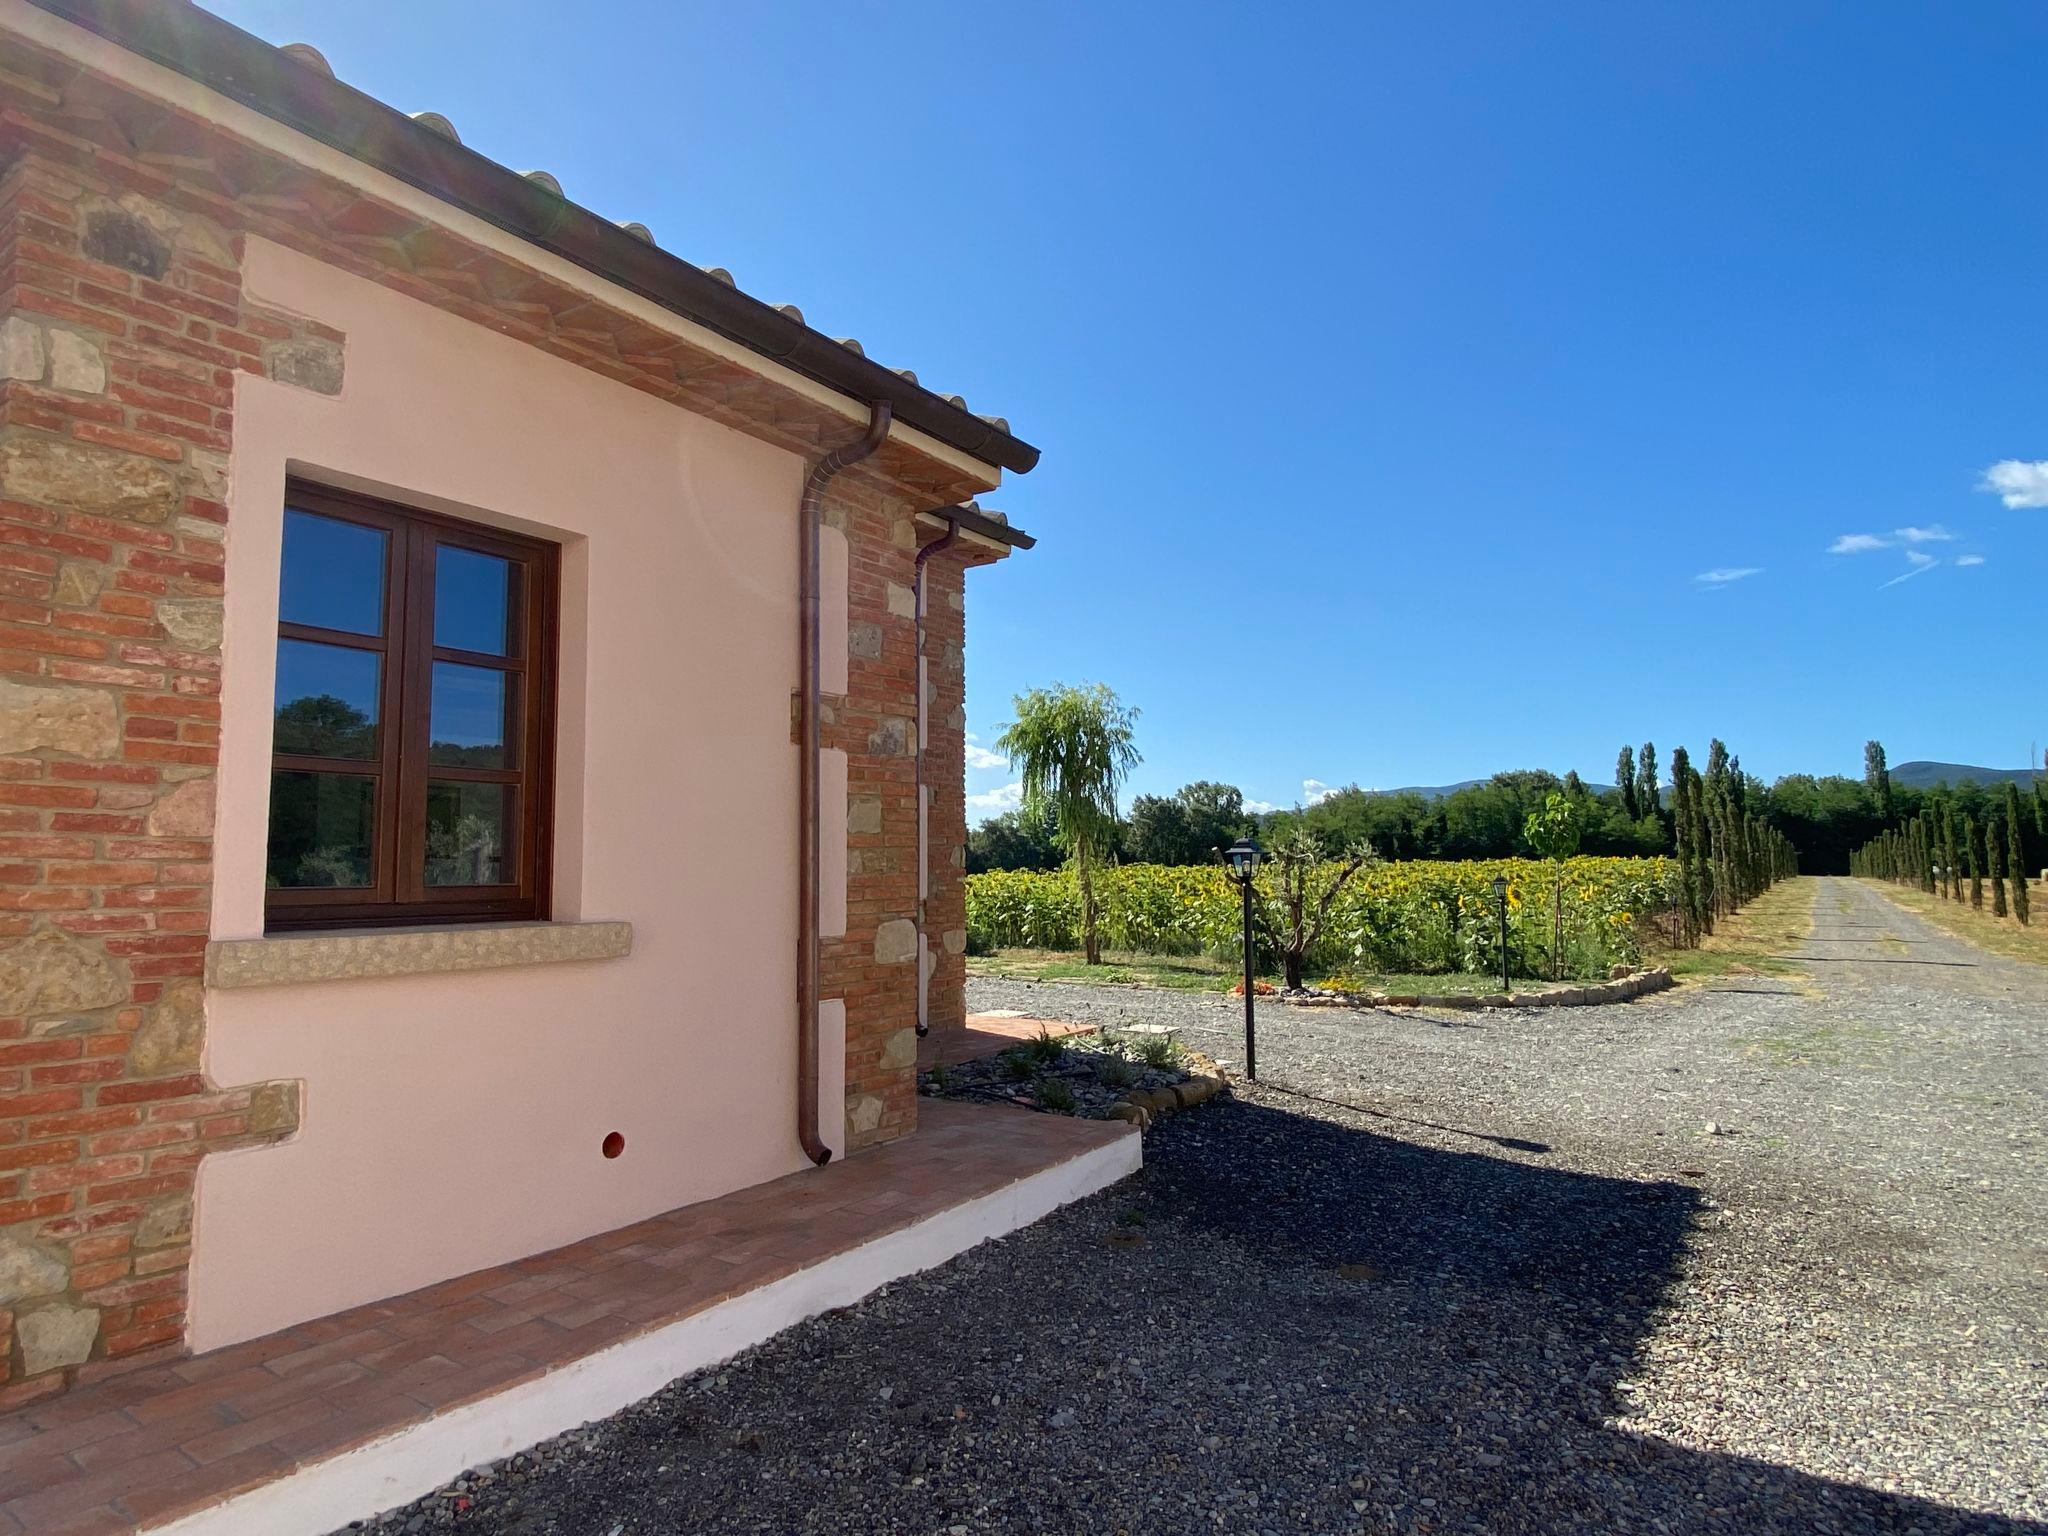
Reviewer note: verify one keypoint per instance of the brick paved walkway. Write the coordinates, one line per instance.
(142, 1448)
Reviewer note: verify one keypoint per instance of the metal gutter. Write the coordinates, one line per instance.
(244, 68)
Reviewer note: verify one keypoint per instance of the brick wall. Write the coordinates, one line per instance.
(946, 773)
(872, 966)
(121, 329)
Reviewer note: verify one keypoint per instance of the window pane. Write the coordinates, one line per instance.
(470, 724)
(333, 574)
(326, 700)
(476, 601)
(470, 833)
(322, 828)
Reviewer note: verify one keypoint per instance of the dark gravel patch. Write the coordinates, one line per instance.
(1482, 1274)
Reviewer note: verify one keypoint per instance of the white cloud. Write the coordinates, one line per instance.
(1315, 791)
(994, 802)
(1721, 575)
(1258, 807)
(1969, 559)
(981, 757)
(1934, 535)
(1915, 557)
(2018, 482)
(1857, 544)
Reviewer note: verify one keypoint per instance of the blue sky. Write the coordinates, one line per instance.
(1424, 390)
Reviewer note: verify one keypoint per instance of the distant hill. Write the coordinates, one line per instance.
(1429, 791)
(1927, 775)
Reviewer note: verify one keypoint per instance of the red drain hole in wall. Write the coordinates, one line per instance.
(614, 1144)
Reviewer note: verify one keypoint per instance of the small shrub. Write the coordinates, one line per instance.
(938, 1076)
(1160, 1052)
(1047, 1048)
(1114, 1070)
(1017, 1064)
(1054, 1094)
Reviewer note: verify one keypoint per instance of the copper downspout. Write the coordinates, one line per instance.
(924, 553)
(810, 512)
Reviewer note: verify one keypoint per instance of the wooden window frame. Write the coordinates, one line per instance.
(398, 894)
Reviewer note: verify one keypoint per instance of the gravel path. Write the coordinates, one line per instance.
(1472, 1273)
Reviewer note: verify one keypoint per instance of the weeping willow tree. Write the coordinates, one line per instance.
(1071, 748)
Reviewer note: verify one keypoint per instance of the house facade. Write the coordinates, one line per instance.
(421, 694)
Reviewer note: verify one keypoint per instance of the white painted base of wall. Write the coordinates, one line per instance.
(399, 1468)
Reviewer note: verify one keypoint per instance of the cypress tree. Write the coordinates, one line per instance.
(1681, 835)
(2016, 818)
(1951, 878)
(1646, 779)
(1702, 853)
(1878, 780)
(1625, 781)
(2016, 852)
(1994, 842)
(1973, 856)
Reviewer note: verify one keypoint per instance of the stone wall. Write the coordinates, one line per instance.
(874, 966)
(946, 773)
(121, 330)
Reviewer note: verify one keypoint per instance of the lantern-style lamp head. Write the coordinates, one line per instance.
(1243, 856)
(1500, 887)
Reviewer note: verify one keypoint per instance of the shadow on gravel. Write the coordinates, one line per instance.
(1956, 965)
(1505, 1143)
(1488, 1272)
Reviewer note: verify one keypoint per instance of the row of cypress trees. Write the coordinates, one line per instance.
(1726, 852)
(1940, 849)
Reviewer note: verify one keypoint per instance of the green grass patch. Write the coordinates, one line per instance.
(1754, 941)
(1200, 973)
(2000, 935)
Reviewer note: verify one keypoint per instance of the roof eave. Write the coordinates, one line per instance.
(220, 56)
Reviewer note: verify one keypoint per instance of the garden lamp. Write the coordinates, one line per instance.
(1243, 858)
(1500, 896)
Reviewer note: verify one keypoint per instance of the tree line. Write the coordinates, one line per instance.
(1956, 841)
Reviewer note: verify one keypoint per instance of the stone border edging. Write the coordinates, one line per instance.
(1143, 1107)
(1619, 989)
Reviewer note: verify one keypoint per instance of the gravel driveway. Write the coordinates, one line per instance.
(1473, 1273)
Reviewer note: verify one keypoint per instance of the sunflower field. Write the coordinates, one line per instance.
(1419, 917)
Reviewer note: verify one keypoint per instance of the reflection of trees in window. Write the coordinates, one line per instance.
(453, 754)
(320, 827)
(321, 725)
(333, 866)
(463, 852)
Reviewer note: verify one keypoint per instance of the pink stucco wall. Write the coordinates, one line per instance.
(454, 1122)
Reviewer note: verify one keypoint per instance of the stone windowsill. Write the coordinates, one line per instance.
(288, 959)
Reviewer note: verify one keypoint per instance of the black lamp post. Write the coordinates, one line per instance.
(1500, 896)
(1243, 859)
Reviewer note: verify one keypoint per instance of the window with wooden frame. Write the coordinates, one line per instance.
(414, 733)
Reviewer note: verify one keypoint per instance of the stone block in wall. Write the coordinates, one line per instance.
(38, 717)
(50, 972)
(312, 363)
(895, 941)
(85, 477)
(76, 364)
